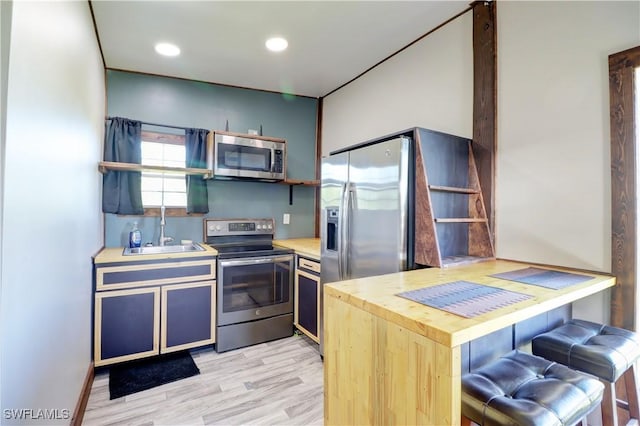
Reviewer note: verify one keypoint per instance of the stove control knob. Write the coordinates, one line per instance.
(259, 227)
(212, 228)
(218, 228)
(270, 226)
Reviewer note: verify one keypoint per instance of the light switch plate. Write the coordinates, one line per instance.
(286, 218)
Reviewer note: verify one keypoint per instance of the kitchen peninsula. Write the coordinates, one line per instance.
(389, 360)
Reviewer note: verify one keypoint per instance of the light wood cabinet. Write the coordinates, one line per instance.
(307, 297)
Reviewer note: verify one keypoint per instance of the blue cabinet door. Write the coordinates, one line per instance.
(307, 298)
(126, 325)
(188, 316)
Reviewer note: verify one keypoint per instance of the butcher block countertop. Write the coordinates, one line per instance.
(377, 295)
(308, 247)
(114, 255)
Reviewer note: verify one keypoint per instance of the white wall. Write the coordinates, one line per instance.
(5, 37)
(553, 185)
(51, 220)
(430, 84)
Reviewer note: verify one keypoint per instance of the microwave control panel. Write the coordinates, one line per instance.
(277, 161)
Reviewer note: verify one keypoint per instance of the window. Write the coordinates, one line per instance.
(163, 188)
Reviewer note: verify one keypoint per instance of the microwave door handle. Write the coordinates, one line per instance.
(273, 160)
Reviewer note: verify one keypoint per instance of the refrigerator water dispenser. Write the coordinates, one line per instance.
(332, 228)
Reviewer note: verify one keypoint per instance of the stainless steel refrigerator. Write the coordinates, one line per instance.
(366, 212)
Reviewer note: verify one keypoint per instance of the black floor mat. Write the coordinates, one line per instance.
(136, 376)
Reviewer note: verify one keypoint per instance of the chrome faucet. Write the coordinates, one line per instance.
(163, 240)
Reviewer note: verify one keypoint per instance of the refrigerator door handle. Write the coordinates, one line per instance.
(347, 239)
(341, 232)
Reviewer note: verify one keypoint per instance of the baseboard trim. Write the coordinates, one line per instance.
(78, 413)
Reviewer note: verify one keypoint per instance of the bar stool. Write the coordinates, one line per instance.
(526, 390)
(603, 351)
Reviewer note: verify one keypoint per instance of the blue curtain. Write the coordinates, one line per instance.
(196, 156)
(121, 190)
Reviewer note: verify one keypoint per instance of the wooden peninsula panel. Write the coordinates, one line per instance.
(384, 374)
(389, 360)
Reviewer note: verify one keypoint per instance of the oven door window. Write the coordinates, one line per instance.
(240, 157)
(250, 291)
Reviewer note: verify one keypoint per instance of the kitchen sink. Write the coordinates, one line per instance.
(185, 248)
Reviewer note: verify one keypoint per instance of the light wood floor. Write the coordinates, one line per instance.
(274, 383)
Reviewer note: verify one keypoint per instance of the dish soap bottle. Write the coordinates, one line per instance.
(135, 236)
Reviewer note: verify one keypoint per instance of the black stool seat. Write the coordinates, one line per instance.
(523, 389)
(601, 350)
(597, 349)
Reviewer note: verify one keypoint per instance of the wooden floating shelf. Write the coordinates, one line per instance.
(249, 136)
(453, 189)
(300, 182)
(459, 220)
(105, 166)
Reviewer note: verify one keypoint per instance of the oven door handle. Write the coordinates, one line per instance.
(256, 260)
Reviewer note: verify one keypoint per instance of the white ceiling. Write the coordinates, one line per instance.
(330, 42)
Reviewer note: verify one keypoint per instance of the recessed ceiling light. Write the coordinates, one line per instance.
(276, 44)
(167, 49)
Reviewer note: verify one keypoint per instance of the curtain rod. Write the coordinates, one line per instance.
(156, 124)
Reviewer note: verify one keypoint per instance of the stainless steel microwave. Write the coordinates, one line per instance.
(240, 156)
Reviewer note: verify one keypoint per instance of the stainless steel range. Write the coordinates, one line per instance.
(254, 281)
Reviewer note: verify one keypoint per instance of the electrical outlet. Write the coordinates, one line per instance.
(286, 218)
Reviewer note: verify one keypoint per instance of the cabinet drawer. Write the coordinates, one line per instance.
(308, 264)
(137, 275)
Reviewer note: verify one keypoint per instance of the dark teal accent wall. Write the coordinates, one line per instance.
(203, 105)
